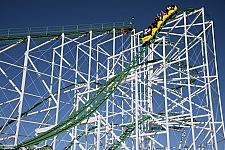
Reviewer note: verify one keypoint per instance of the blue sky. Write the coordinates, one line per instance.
(43, 13)
(30, 13)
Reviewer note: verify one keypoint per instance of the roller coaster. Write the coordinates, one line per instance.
(94, 87)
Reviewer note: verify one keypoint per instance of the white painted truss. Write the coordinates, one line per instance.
(175, 84)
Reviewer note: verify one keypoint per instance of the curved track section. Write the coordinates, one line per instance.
(115, 102)
(96, 100)
(110, 85)
(129, 129)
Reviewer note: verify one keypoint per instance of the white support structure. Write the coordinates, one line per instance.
(174, 84)
(22, 91)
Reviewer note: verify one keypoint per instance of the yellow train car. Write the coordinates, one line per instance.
(171, 12)
(159, 24)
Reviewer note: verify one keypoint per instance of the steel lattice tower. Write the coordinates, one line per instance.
(168, 98)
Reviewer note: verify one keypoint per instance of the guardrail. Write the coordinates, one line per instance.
(39, 32)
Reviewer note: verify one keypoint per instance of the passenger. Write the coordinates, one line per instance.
(164, 12)
(145, 32)
(157, 18)
(123, 31)
(149, 30)
(168, 8)
(150, 26)
(160, 16)
(154, 24)
(172, 7)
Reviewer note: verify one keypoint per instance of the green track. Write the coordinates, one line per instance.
(96, 100)
(35, 105)
(56, 31)
(99, 97)
(40, 102)
(128, 130)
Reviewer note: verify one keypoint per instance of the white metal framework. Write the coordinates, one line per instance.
(175, 82)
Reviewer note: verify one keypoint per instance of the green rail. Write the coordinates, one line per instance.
(181, 65)
(127, 133)
(34, 106)
(23, 114)
(55, 31)
(96, 100)
(2, 146)
(130, 129)
(80, 136)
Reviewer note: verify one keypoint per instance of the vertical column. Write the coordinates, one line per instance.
(206, 89)
(136, 99)
(52, 72)
(98, 133)
(51, 83)
(165, 95)
(76, 101)
(96, 86)
(89, 65)
(208, 80)
(217, 79)
(22, 90)
(150, 104)
(89, 83)
(107, 110)
(124, 94)
(113, 72)
(59, 87)
(132, 87)
(183, 139)
(142, 96)
(136, 110)
(97, 63)
(189, 86)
